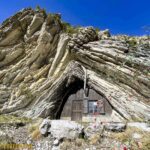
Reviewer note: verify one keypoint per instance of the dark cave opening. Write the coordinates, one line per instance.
(71, 89)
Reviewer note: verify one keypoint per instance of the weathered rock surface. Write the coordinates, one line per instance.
(115, 127)
(140, 125)
(39, 61)
(61, 129)
(45, 126)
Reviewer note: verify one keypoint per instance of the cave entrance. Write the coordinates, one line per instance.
(75, 107)
(71, 106)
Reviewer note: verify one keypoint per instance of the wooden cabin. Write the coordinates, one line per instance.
(79, 108)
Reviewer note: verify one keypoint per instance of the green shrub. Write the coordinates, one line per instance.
(38, 8)
(97, 30)
(70, 29)
(132, 43)
(55, 16)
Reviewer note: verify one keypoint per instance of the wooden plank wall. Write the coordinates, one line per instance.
(67, 110)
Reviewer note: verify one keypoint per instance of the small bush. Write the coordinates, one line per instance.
(70, 29)
(55, 16)
(38, 8)
(97, 30)
(132, 43)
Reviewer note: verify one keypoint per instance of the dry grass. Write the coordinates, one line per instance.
(146, 142)
(66, 145)
(72, 144)
(34, 131)
(36, 135)
(79, 142)
(11, 119)
(127, 137)
(33, 127)
(94, 139)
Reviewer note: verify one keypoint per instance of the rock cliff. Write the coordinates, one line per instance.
(40, 60)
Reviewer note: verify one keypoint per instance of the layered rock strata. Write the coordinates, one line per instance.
(39, 61)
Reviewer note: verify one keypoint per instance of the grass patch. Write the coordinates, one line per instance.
(65, 145)
(127, 137)
(36, 135)
(11, 119)
(68, 28)
(94, 139)
(79, 142)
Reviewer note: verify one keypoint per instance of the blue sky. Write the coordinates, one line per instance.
(120, 16)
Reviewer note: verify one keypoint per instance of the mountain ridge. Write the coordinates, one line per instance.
(41, 56)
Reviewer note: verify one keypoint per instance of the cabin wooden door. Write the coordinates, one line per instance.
(77, 107)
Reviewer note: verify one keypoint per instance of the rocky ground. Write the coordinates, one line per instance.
(66, 135)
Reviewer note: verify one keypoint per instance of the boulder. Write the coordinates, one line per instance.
(65, 129)
(56, 142)
(60, 129)
(115, 127)
(140, 125)
(45, 126)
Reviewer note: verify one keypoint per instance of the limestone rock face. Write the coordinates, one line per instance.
(39, 61)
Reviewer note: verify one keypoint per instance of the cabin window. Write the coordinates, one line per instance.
(96, 107)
